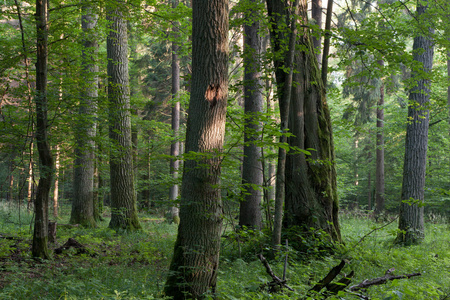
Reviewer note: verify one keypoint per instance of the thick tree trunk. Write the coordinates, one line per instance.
(252, 173)
(411, 223)
(196, 255)
(175, 146)
(379, 176)
(83, 184)
(311, 191)
(40, 235)
(123, 200)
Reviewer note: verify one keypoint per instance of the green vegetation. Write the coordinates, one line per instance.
(134, 266)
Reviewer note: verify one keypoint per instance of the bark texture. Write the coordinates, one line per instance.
(193, 270)
(40, 235)
(252, 173)
(311, 191)
(379, 176)
(83, 184)
(282, 36)
(411, 223)
(316, 14)
(123, 199)
(175, 146)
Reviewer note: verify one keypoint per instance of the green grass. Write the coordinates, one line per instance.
(134, 265)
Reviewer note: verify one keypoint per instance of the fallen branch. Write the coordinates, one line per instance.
(276, 281)
(329, 278)
(381, 280)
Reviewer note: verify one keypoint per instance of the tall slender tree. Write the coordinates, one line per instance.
(411, 222)
(40, 235)
(193, 270)
(175, 146)
(316, 14)
(123, 198)
(252, 173)
(83, 184)
(379, 176)
(283, 31)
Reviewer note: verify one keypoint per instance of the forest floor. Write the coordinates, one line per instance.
(134, 265)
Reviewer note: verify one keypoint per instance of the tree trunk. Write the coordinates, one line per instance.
(411, 223)
(193, 269)
(311, 191)
(379, 176)
(252, 173)
(316, 14)
(56, 189)
(83, 184)
(30, 192)
(175, 146)
(123, 200)
(281, 18)
(40, 235)
(326, 43)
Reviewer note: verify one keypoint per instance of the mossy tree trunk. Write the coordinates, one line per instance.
(123, 198)
(311, 190)
(193, 270)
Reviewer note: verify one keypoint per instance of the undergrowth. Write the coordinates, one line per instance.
(134, 265)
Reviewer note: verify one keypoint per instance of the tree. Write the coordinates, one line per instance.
(311, 195)
(379, 176)
(175, 146)
(316, 14)
(40, 235)
(123, 198)
(83, 184)
(193, 269)
(411, 222)
(252, 173)
(283, 32)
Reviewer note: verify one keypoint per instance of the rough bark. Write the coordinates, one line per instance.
(175, 146)
(40, 235)
(411, 223)
(326, 43)
(316, 14)
(252, 173)
(193, 270)
(83, 184)
(123, 200)
(379, 176)
(282, 33)
(311, 191)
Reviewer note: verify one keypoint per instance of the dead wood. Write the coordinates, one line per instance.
(276, 281)
(72, 243)
(381, 280)
(329, 278)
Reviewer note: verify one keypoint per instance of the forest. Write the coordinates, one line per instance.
(225, 149)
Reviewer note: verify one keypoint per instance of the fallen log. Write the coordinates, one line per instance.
(381, 280)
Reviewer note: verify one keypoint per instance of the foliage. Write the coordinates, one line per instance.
(134, 266)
